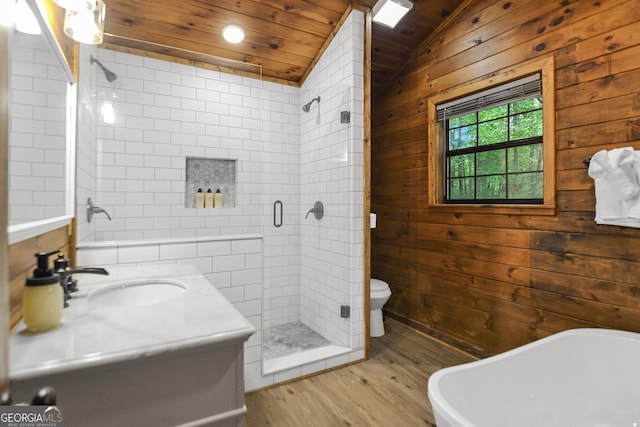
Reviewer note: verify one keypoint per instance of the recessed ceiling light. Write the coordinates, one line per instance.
(389, 12)
(233, 33)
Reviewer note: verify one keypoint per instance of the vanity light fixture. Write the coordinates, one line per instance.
(77, 4)
(86, 25)
(390, 12)
(25, 20)
(233, 33)
(8, 18)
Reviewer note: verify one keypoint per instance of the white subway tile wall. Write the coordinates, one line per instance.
(166, 112)
(332, 269)
(37, 124)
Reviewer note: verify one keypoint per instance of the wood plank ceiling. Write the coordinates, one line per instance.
(284, 37)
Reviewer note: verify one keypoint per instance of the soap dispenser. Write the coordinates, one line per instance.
(43, 298)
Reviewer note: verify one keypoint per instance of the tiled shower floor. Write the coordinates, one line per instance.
(290, 338)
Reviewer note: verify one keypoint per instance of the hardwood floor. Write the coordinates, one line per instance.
(389, 389)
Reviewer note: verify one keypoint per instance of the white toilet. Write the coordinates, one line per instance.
(380, 294)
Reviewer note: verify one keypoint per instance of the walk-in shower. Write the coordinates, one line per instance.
(314, 316)
(306, 107)
(290, 276)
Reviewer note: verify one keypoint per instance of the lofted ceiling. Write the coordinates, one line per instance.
(284, 37)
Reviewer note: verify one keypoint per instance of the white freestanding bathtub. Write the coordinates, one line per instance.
(576, 378)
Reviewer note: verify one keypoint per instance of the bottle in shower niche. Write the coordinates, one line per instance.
(208, 199)
(199, 198)
(219, 199)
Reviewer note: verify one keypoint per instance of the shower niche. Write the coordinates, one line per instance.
(214, 174)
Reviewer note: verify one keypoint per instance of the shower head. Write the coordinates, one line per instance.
(108, 74)
(306, 107)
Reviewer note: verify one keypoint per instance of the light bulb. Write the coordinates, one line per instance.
(233, 33)
(86, 25)
(77, 5)
(26, 22)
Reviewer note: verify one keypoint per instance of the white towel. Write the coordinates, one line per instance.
(616, 175)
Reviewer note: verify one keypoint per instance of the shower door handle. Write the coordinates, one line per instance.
(275, 217)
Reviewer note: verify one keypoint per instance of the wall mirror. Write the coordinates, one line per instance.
(42, 124)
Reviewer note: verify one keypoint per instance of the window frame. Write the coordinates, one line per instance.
(479, 149)
(437, 141)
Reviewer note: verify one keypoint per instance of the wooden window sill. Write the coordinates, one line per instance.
(546, 210)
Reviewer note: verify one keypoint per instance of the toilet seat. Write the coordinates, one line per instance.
(378, 285)
(379, 289)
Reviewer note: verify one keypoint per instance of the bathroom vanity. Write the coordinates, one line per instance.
(146, 346)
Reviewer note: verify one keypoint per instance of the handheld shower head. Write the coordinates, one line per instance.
(307, 107)
(108, 74)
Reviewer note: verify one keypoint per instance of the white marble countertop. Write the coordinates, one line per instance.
(91, 334)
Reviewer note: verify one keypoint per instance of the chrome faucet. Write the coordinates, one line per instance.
(61, 267)
(92, 210)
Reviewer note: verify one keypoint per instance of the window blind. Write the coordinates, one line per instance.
(516, 90)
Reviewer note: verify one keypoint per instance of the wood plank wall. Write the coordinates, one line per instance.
(493, 281)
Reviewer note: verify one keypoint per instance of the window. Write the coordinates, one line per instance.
(493, 145)
(492, 142)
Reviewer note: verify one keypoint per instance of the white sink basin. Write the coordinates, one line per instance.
(135, 293)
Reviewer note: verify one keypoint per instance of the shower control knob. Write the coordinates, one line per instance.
(317, 210)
